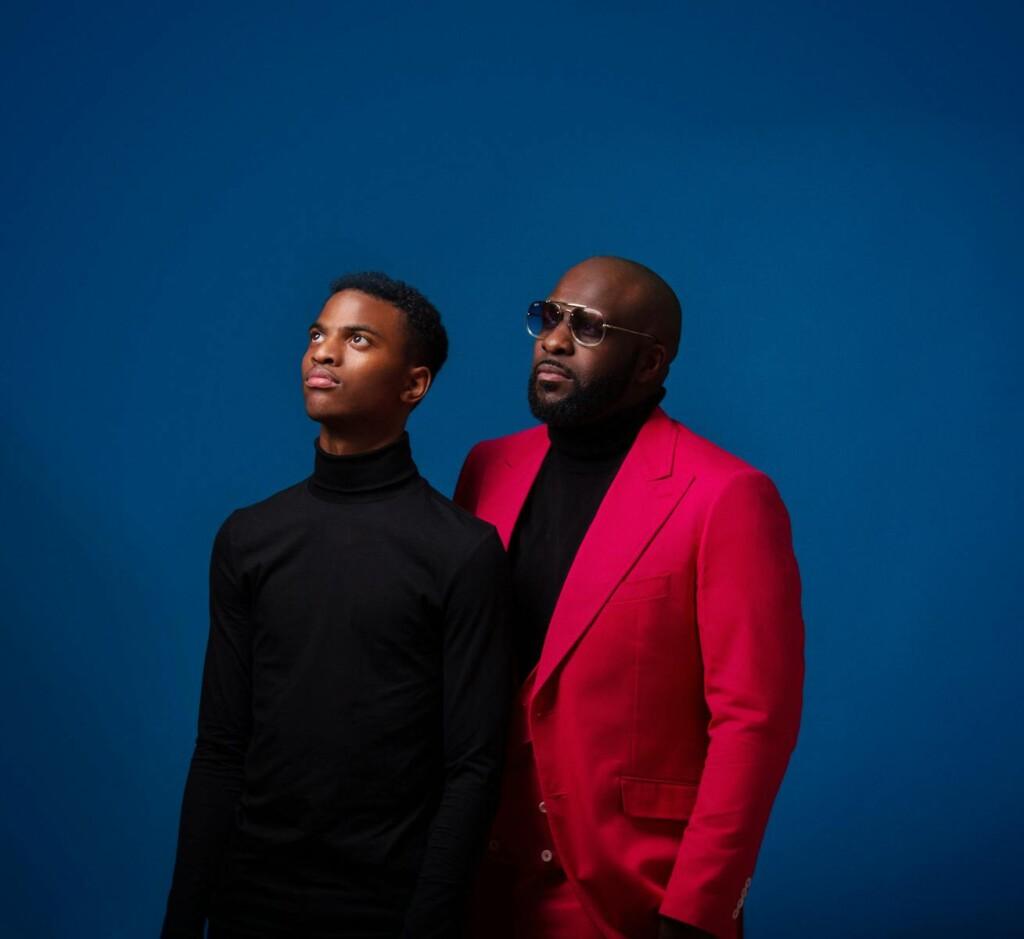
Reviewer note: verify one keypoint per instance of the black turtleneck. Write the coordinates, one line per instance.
(355, 688)
(573, 479)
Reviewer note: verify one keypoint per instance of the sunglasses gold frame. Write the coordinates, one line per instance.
(567, 310)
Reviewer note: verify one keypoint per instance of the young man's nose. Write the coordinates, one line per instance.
(324, 355)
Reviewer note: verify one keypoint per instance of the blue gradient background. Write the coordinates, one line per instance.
(835, 193)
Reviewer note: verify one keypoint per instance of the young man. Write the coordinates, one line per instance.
(660, 643)
(357, 674)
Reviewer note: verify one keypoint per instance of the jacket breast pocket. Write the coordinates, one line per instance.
(657, 798)
(644, 588)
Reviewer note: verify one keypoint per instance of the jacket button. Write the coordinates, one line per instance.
(493, 845)
(546, 856)
(542, 807)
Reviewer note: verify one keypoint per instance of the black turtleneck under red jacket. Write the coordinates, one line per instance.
(354, 694)
(570, 486)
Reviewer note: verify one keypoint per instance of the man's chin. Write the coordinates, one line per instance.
(578, 404)
(321, 415)
(553, 408)
(551, 397)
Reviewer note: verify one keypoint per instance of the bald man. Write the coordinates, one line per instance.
(660, 638)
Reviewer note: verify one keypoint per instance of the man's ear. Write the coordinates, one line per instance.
(652, 364)
(417, 385)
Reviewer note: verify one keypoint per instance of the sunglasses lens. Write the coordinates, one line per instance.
(541, 317)
(587, 327)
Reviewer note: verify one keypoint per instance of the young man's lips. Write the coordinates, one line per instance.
(320, 378)
(550, 374)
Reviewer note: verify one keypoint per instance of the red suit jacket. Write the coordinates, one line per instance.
(667, 698)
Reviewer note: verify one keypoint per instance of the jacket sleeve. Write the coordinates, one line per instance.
(214, 781)
(751, 638)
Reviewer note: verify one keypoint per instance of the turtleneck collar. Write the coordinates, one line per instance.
(606, 439)
(363, 477)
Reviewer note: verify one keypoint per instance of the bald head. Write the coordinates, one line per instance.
(629, 294)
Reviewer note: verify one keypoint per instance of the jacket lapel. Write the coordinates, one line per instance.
(644, 492)
(502, 500)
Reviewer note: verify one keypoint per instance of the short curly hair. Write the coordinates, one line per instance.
(428, 341)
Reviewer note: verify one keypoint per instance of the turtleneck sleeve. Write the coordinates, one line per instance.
(214, 783)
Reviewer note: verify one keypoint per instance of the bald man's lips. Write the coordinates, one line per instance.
(552, 374)
(319, 377)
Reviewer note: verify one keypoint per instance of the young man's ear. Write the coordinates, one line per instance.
(417, 385)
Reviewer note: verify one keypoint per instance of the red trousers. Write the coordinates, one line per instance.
(522, 891)
(529, 907)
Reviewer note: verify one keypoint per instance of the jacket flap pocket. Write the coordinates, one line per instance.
(646, 588)
(656, 798)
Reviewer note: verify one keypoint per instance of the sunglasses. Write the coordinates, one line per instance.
(586, 325)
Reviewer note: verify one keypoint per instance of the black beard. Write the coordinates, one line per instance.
(583, 404)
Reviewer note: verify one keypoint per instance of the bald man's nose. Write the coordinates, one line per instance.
(559, 340)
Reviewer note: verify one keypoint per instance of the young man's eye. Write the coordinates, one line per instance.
(315, 335)
(359, 340)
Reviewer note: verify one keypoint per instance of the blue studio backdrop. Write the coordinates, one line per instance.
(835, 191)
